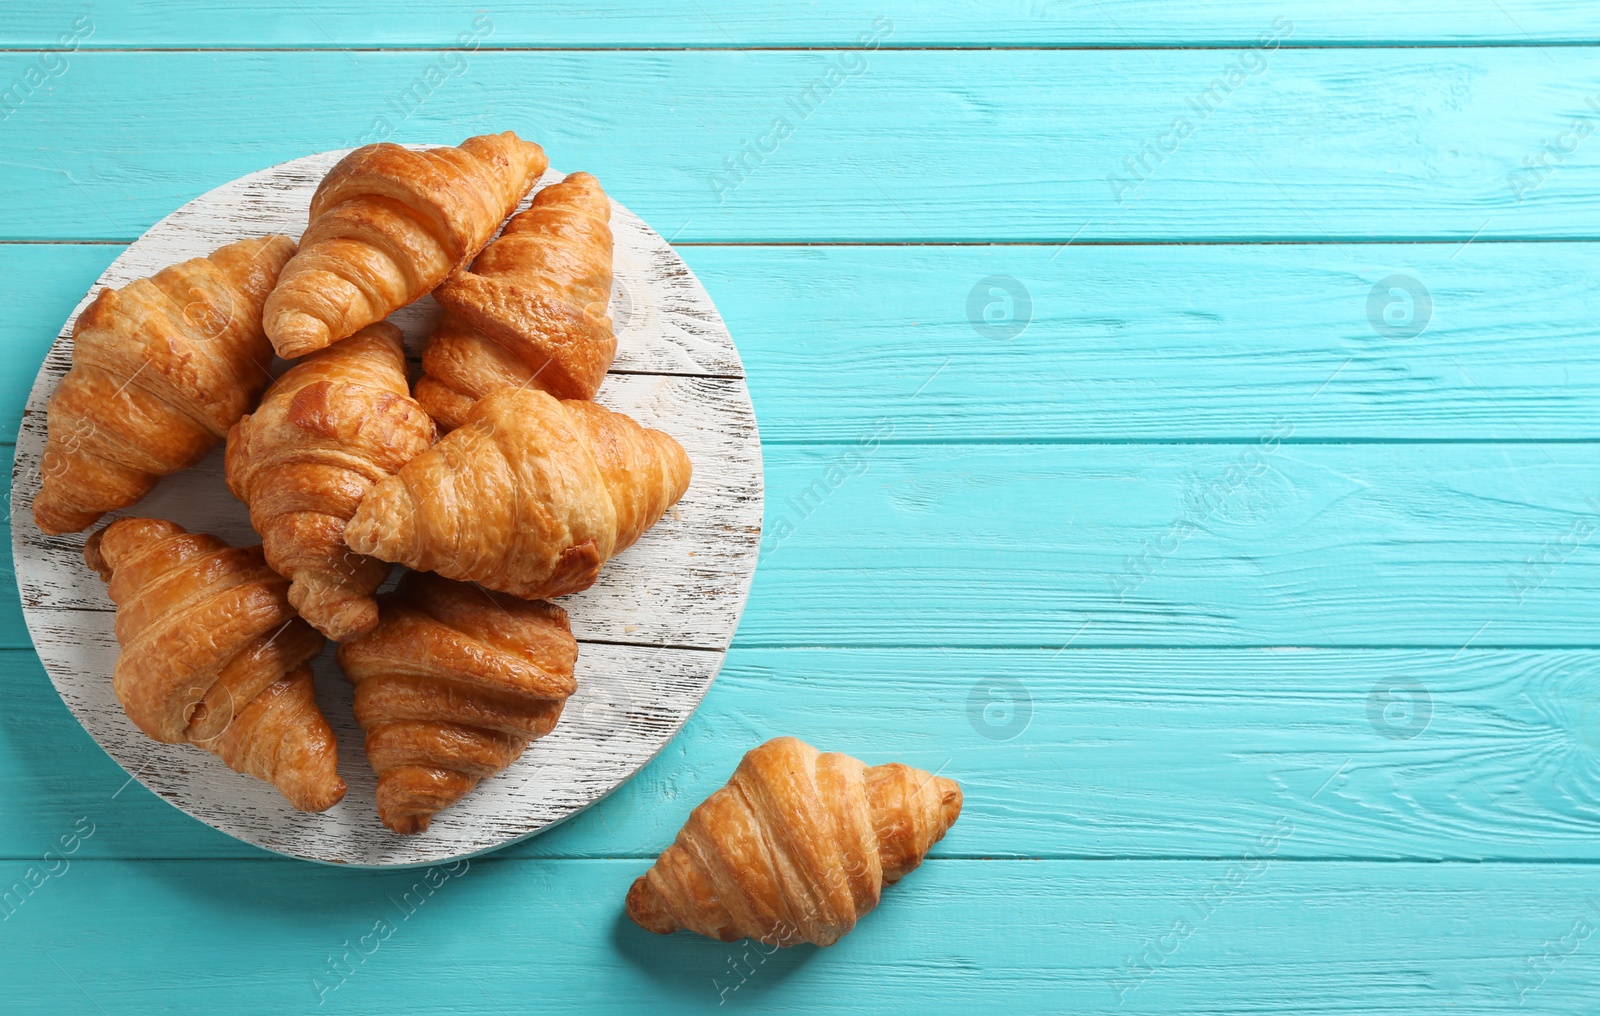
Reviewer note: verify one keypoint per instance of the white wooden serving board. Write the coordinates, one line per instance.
(652, 631)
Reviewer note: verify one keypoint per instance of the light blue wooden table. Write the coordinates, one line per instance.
(1205, 399)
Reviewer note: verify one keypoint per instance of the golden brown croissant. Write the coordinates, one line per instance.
(212, 655)
(532, 309)
(335, 424)
(451, 687)
(161, 368)
(387, 225)
(529, 496)
(795, 848)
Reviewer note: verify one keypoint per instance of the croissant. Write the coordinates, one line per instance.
(796, 847)
(451, 687)
(529, 496)
(161, 368)
(532, 309)
(387, 225)
(335, 424)
(212, 655)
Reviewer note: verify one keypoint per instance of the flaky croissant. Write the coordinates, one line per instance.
(452, 687)
(161, 368)
(387, 225)
(529, 496)
(531, 311)
(213, 655)
(335, 424)
(795, 848)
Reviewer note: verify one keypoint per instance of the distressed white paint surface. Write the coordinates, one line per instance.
(653, 630)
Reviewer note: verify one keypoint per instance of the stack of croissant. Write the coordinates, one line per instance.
(530, 490)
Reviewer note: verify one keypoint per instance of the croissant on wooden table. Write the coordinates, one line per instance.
(795, 848)
(387, 225)
(452, 687)
(339, 421)
(530, 495)
(531, 311)
(161, 368)
(214, 656)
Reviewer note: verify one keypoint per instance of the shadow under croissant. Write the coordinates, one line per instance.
(705, 970)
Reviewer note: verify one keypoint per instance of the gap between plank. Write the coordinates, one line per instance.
(734, 47)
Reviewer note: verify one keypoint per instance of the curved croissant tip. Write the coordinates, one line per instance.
(92, 556)
(53, 517)
(644, 908)
(333, 609)
(295, 333)
(949, 800)
(362, 532)
(406, 824)
(318, 796)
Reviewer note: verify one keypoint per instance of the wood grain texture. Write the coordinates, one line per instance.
(1118, 343)
(1179, 544)
(1317, 144)
(319, 24)
(1105, 754)
(665, 611)
(1264, 936)
(1163, 343)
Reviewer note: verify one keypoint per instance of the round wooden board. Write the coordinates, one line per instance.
(652, 631)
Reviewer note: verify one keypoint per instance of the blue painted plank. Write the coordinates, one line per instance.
(1189, 145)
(1248, 936)
(1161, 343)
(1101, 343)
(1259, 543)
(40, 283)
(1482, 755)
(732, 23)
